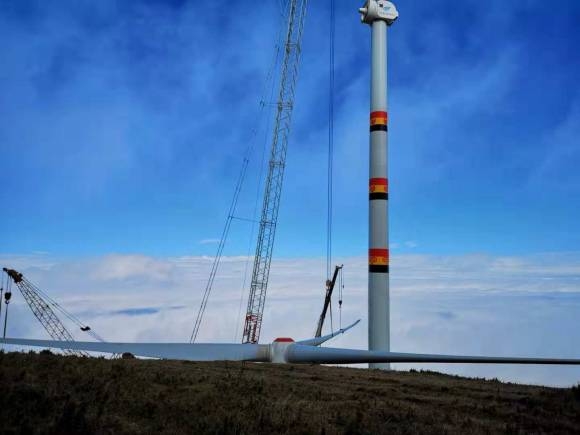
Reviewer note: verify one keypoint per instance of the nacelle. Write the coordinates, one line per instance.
(378, 10)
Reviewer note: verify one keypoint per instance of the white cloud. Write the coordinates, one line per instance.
(122, 267)
(469, 304)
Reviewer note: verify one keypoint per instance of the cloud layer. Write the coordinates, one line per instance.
(123, 126)
(457, 304)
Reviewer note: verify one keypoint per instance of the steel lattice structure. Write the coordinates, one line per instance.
(42, 311)
(285, 350)
(273, 186)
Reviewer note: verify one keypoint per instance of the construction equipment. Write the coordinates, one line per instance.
(273, 186)
(7, 297)
(40, 304)
(330, 283)
(286, 350)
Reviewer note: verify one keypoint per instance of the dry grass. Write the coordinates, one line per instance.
(45, 393)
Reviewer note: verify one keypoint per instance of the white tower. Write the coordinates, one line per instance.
(379, 15)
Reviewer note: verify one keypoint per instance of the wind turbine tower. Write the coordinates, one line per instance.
(379, 15)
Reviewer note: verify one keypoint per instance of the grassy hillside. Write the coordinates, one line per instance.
(45, 393)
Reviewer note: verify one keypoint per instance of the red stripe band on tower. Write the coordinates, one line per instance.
(379, 116)
(378, 260)
(378, 188)
(379, 121)
(379, 256)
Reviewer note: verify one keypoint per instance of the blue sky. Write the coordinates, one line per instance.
(123, 125)
(122, 131)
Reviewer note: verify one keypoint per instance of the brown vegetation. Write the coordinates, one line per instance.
(46, 393)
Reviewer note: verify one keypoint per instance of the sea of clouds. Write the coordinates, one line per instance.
(463, 304)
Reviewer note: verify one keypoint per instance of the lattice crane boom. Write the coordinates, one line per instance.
(273, 186)
(42, 310)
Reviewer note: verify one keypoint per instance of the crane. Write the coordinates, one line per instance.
(330, 283)
(40, 304)
(277, 163)
(285, 350)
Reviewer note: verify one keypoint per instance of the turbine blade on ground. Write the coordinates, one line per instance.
(181, 351)
(299, 353)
